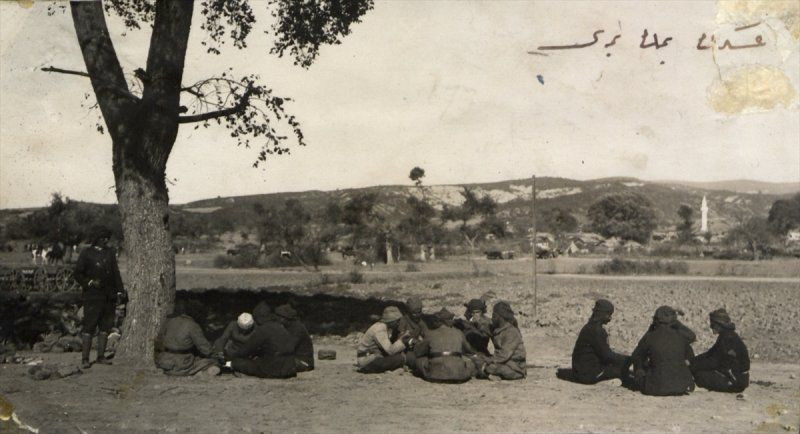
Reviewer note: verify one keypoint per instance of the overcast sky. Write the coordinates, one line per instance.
(448, 86)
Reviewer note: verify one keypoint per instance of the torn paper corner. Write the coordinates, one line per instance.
(752, 88)
(743, 12)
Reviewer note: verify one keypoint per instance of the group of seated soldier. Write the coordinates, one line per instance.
(442, 349)
(265, 344)
(663, 363)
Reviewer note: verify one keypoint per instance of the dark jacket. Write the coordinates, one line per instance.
(434, 364)
(663, 356)
(415, 329)
(592, 352)
(478, 332)
(729, 356)
(182, 334)
(304, 349)
(232, 338)
(268, 339)
(509, 349)
(99, 265)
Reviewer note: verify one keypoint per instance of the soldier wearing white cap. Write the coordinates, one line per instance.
(235, 334)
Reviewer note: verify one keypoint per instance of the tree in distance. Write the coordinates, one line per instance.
(628, 216)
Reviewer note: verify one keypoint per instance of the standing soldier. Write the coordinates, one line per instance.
(98, 274)
(726, 366)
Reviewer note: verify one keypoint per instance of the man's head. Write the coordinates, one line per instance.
(665, 315)
(475, 308)
(414, 305)
(720, 320)
(286, 313)
(101, 235)
(602, 310)
(245, 321)
(391, 315)
(502, 314)
(262, 313)
(444, 317)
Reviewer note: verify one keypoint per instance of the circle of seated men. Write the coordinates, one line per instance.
(443, 349)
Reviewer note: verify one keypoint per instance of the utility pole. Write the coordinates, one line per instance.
(533, 249)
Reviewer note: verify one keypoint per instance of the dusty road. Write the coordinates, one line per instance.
(336, 398)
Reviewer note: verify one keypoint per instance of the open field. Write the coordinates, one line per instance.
(334, 397)
(779, 267)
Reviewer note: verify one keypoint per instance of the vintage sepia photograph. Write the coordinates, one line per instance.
(399, 216)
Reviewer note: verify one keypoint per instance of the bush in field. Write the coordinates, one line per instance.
(355, 276)
(625, 266)
(412, 267)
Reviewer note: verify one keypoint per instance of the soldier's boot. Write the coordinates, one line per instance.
(86, 347)
(102, 340)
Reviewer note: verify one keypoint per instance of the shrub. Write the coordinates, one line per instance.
(356, 276)
(624, 266)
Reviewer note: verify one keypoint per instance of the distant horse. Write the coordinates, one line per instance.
(55, 254)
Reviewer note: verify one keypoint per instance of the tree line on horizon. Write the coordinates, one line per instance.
(290, 233)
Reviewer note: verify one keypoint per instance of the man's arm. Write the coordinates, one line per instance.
(599, 342)
(507, 343)
(81, 267)
(382, 338)
(219, 344)
(199, 340)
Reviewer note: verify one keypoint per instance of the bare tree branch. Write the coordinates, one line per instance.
(64, 71)
(114, 89)
(241, 105)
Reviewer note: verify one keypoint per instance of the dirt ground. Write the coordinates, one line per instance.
(336, 398)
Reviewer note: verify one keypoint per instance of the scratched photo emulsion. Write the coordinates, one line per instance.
(399, 216)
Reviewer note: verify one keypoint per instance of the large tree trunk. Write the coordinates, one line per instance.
(151, 267)
(143, 131)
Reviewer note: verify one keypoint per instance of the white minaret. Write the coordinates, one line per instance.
(704, 216)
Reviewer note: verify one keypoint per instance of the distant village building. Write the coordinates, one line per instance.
(704, 216)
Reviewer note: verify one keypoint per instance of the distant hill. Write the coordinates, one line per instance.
(727, 205)
(743, 186)
(728, 201)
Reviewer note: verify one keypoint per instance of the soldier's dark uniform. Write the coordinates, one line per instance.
(592, 358)
(304, 347)
(508, 361)
(726, 366)
(98, 274)
(477, 328)
(442, 356)
(269, 351)
(186, 351)
(661, 360)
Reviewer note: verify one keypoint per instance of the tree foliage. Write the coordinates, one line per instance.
(477, 216)
(65, 221)
(685, 227)
(784, 215)
(754, 235)
(628, 216)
